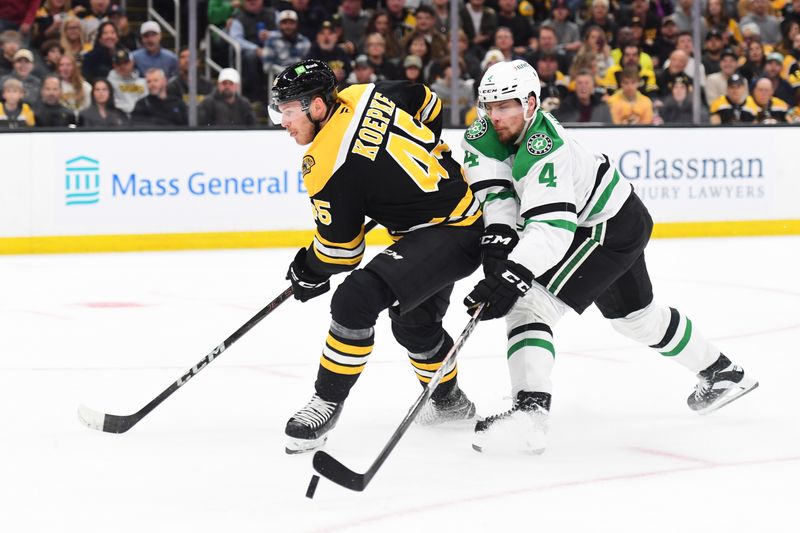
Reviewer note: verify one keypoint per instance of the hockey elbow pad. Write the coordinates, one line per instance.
(306, 283)
(497, 241)
(500, 290)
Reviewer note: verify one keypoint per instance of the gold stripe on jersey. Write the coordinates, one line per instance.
(329, 149)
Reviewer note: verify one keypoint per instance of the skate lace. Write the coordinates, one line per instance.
(316, 412)
(702, 388)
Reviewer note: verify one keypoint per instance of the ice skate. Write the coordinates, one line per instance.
(522, 428)
(307, 430)
(719, 385)
(452, 407)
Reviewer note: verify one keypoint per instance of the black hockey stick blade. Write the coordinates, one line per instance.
(329, 467)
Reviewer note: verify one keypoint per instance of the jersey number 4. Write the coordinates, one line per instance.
(410, 153)
(547, 176)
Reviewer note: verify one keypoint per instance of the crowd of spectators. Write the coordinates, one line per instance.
(600, 61)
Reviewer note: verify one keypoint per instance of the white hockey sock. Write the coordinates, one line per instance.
(531, 357)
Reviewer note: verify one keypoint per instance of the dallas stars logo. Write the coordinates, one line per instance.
(539, 144)
(476, 130)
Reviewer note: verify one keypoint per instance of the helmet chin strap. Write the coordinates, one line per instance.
(318, 123)
(528, 122)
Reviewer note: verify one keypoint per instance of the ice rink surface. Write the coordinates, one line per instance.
(625, 453)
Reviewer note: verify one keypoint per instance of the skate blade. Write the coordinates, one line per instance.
(538, 451)
(741, 388)
(298, 446)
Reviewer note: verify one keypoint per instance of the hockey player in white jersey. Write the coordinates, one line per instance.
(564, 230)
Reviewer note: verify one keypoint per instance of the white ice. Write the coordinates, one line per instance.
(625, 453)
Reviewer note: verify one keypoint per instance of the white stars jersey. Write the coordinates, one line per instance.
(546, 187)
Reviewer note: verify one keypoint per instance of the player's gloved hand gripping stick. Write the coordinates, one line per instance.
(121, 424)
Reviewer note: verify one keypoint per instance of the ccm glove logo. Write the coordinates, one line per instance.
(518, 283)
(488, 240)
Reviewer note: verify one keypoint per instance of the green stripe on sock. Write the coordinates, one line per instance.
(684, 341)
(536, 343)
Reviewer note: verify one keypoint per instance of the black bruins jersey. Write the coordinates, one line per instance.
(380, 156)
(733, 113)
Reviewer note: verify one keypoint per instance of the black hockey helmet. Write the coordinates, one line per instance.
(302, 82)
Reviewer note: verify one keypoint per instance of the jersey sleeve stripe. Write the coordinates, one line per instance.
(601, 201)
(437, 108)
(426, 101)
(349, 261)
(563, 224)
(558, 207)
(355, 243)
(333, 251)
(504, 195)
(485, 184)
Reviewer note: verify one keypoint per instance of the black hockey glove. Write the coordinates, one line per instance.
(500, 290)
(306, 283)
(496, 243)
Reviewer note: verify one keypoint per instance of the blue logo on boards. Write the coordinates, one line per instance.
(82, 181)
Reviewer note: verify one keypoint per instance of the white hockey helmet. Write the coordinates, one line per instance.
(509, 80)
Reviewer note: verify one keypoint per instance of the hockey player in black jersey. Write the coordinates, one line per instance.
(375, 151)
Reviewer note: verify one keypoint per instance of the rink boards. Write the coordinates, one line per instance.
(97, 191)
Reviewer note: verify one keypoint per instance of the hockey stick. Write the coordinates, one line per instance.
(332, 469)
(120, 424)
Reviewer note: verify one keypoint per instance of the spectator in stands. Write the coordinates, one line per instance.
(717, 83)
(713, 51)
(686, 44)
(666, 41)
(90, 21)
(23, 71)
(568, 33)
(584, 105)
(676, 65)
(18, 15)
(504, 42)
(791, 11)
(790, 29)
(362, 71)
(769, 26)
(403, 20)
(309, 17)
(11, 41)
(328, 50)
(250, 27)
(594, 42)
(178, 86)
(464, 94)
(768, 108)
(780, 87)
(479, 23)
(151, 54)
(473, 63)
(286, 46)
(630, 59)
(677, 107)
(102, 113)
(225, 106)
(98, 62)
(72, 37)
(684, 17)
(15, 113)
(412, 69)
(717, 18)
(548, 43)
(755, 61)
(354, 24)
(601, 17)
(52, 52)
(385, 68)
(75, 91)
(509, 17)
(628, 105)
(47, 24)
(553, 81)
(158, 108)
(642, 14)
(127, 38)
(380, 22)
(626, 35)
(426, 27)
(49, 112)
(220, 12)
(127, 85)
(734, 106)
(588, 62)
(442, 9)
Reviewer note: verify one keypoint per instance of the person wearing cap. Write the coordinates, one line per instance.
(91, 20)
(226, 106)
(568, 33)
(23, 71)
(14, 113)
(327, 49)
(151, 54)
(768, 109)
(49, 111)
(287, 45)
(127, 85)
(11, 41)
(712, 53)
(665, 42)
(412, 69)
(732, 108)
(97, 63)
(178, 86)
(717, 83)
(772, 71)
(677, 107)
(158, 108)
(362, 71)
(768, 25)
(127, 38)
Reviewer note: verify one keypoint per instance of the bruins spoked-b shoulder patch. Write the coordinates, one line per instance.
(539, 144)
(308, 162)
(477, 129)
